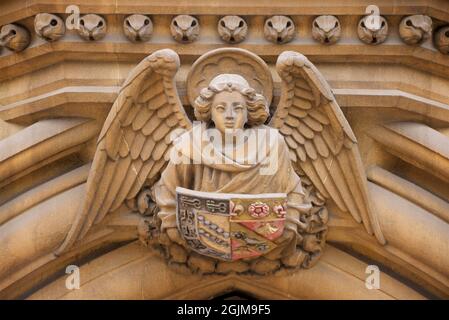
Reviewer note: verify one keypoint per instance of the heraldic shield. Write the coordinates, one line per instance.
(230, 226)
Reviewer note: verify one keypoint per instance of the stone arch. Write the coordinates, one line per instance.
(136, 272)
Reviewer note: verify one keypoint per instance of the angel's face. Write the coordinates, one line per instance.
(228, 111)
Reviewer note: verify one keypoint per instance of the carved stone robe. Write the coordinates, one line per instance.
(240, 174)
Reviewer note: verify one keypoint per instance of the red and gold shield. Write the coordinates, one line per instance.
(230, 226)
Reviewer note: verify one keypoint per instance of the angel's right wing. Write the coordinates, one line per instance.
(134, 140)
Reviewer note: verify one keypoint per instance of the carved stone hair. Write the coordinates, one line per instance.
(255, 103)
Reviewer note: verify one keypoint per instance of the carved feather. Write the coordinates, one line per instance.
(320, 139)
(133, 142)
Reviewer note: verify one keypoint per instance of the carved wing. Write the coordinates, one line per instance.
(320, 139)
(134, 140)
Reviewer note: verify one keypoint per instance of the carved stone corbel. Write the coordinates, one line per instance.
(441, 40)
(92, 27)
(326, 29)
(232, 29)
(415, 29)
(49, 26)
(185, 28)
(138, 27)
(15, 37)
(370, 33)
(279, 29)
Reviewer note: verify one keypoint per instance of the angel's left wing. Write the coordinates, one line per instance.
(320, 140)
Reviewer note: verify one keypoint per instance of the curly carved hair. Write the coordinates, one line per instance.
(255, 103)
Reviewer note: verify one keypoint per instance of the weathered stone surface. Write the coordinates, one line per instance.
(177, 253)
(415, 29)
(326, 29)
(49, 26)
(235, 266)
(92, 27)
(376, 103)
(138, 27)
(294, 259)
(201, 264)
(264, 266)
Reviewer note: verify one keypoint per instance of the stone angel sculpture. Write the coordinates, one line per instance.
(310, 137)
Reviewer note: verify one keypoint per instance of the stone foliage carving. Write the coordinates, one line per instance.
(138, 27)
(136, 139)
(415, 29)
(279, 29)
(92, 27)
(185, 28)
(326, 29)
(232, 29)
(14, 37)
(49, 26)
(372, 34)
(441, 39)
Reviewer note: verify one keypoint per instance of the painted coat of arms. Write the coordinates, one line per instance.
(230, 226)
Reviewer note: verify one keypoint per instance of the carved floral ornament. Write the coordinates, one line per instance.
(253, 225)
(232, 29)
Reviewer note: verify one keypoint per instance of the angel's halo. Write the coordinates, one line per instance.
(229, 61)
